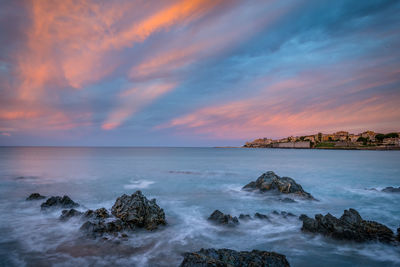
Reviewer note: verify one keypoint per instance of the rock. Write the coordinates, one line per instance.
(244, 217)
(59, 202)
(269, 181)
(35, 196)
(287, 214)
(349, 227)
(68, 214)
(101, 213)
(231, 258)
(137, 211)
(261, 216)
(391, 189)
(224, 219)
(131, 212)
(98, 228)
(287, 200)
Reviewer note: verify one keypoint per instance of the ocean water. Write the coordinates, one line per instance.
(189, 184)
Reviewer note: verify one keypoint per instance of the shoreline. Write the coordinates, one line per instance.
(320, 148)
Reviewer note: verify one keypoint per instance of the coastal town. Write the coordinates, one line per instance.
(368, 140)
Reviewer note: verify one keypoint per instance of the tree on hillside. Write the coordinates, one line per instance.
(391, 135)
(363, 140)
(379, 137)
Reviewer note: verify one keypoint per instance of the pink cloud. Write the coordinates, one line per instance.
(292, 106)
(134, 99)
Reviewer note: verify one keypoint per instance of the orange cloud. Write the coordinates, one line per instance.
(206, 40)
(73, 43)
(68, 41)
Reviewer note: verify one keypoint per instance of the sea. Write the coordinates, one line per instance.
(189, 184)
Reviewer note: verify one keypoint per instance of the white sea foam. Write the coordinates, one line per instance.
(138, 184)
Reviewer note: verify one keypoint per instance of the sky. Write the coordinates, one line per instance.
(195, 72)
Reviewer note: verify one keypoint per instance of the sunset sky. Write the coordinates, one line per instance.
(195, 73)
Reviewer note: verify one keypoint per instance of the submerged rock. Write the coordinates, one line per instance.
(269, 181)
(261, 216)
(35, 196)
(244, 217)
(287, 200)
(231, 258)
(59, 202)
(137, 211)
(284, 214)
(398, 234)
(223, 219)
(349, 227)
(391, 189)
(68, 214)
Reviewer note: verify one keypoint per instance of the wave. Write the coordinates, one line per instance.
(139, 184)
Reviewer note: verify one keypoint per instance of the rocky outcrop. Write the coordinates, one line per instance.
(348, 227)
(35, 196)
(231, 258)
(59, 202)
(391, 189)
(68, 214)
(269, 181)
(218, 217)
(136, 210)
(131, 212)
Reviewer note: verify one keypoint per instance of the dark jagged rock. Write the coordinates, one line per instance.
(231, 258)
(269, 181)
(224, 219)
(59, 202)
(68, 214)
(101, 213)
(391, 189)
(35, 196)
(137, 211)
(349, 227)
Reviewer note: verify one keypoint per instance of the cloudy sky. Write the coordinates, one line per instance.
(195, 72)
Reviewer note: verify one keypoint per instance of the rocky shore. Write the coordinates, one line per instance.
(127, 214)
(133, 212)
